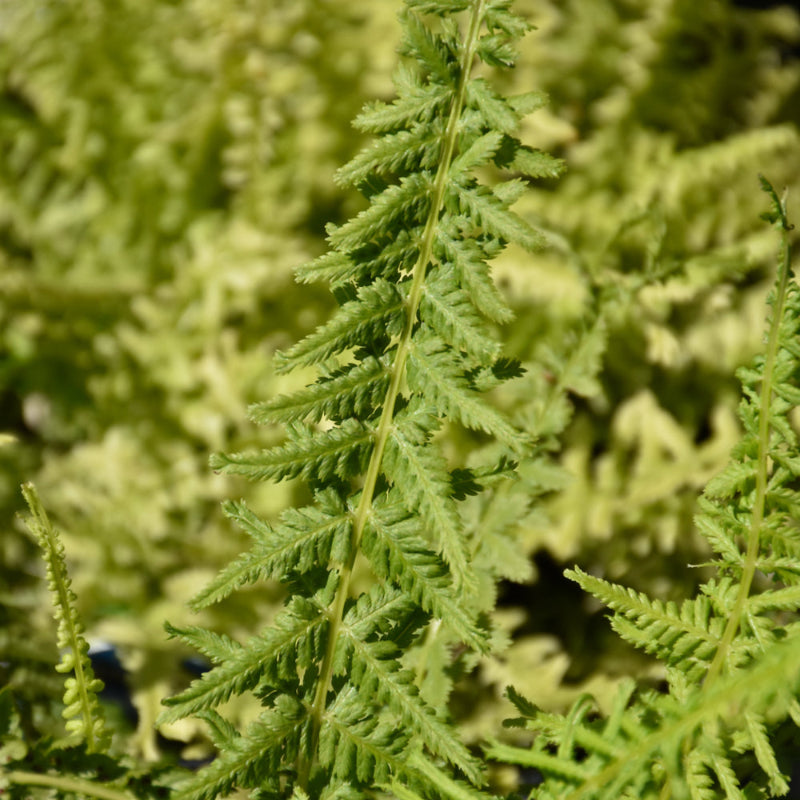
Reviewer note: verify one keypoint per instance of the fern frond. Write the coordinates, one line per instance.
(420, 475)
(729, 651)
(294, 641)
(435, 375)
(367, 747)
(409, 348)
(394, 154)
(375, 670)
(216, 647)
(659, 741)
(449, 311)
(85, 720)
(307, 536)
(397, 552)
(466, 257)
(316, 455)
(253, 759)
(352, 391)
(376, 312)
(493, 215)
(673, 634)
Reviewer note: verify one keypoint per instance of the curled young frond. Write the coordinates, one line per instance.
(85, 721)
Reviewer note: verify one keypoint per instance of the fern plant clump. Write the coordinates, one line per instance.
(725, 727)
(343, 674)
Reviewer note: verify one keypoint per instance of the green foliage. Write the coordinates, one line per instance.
(403, 353)
(78, 763)
(169, 163)
(730, 654)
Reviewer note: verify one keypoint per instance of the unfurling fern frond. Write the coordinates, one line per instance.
(732, 654)
(409, 350)
(85, 722)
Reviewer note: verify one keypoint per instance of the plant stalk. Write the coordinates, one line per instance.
(383, 430)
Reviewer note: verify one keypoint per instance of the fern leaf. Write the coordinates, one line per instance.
(420, 475)
(496, 112)
(250, 760)
(217, 647)
(394, 154)
(408, 349)
(295, 639)
(305, 538)
(352, 743)
(449, 311)
(494, 217)
(85, 721)
(403, 204)
(420, 43)
(377, 311)
(728, 651)
(397, 552)
(434, 374)
(317, 456)
(660, 629)
(478, 154)
(466, 257)
(352, 391)
(418, 104)
(374, 668)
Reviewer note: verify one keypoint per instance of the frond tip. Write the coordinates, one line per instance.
(82, 710)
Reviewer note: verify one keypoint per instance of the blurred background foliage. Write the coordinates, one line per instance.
(163, 167)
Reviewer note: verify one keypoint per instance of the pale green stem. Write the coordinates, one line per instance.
(762, 476)
(66, 784)
(373, 472)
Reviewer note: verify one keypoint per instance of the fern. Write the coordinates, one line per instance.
(731, 654)
(409, 348)
(82, 711)
(78, 764)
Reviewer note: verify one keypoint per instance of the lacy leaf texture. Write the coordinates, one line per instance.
(726, 726)
(410, 348)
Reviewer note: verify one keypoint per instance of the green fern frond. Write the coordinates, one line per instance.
(376, 312)
(643, 755)
(375, 670)
(294, 641)
(253, 759)
(434, 374)
(367, 748)
(420, 475)
(85, 721)
(397, 552)
(451, 314)
(307, 536)
(351, 391)
(314, 455)
(730, 653)
(673, 634)
(409, 349)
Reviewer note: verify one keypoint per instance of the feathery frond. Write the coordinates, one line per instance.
(731, 654)
(409, 349)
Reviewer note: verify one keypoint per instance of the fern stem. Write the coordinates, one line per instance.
(398, 373)
(66, 784)
(762, 476)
